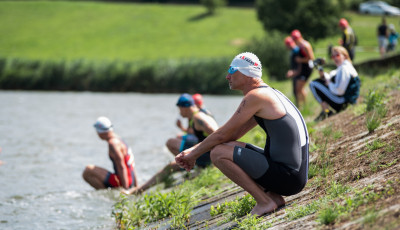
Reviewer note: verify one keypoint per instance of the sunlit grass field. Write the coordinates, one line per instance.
(126, 31)
(123, 31)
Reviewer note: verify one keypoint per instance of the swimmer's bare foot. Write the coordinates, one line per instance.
(278, 199)
(275, 201)
(262, 209)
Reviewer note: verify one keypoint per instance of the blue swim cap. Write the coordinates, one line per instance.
(185, 100)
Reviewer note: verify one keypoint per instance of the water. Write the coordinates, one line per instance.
(47, 139)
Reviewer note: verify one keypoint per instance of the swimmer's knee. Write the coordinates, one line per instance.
(217, 152)
(88, 170)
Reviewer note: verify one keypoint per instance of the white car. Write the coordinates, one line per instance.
(379, 8)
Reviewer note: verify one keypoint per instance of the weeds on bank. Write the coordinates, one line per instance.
(234, 209)
(339, 202)
(137, 211)
(376, 144)
(376, 109)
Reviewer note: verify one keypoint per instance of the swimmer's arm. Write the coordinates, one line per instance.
(122, 171)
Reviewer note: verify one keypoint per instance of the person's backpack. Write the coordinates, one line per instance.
(353, 90)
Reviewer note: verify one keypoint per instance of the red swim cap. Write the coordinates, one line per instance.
(343, 22)
(295, 34)
(289, 41)
(198, 99)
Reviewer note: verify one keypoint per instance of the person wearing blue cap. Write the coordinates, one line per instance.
(181, 142)
(281, 167)
(201, 125)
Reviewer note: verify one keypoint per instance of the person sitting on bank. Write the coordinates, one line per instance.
(121, 156)
(198, 100)
(202, 125)
(267, 174)
(188, 139)
(338, 88)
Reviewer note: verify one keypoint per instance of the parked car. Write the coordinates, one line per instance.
(379, 8)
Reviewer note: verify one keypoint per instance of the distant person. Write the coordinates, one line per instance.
(198, 100)
(295, 68)
(202, 125)
(305, 60)
(383, 35)
(121, 156)
(393, 37)
(267, 174)
(1, 162)
(349, 40)
(339, 88)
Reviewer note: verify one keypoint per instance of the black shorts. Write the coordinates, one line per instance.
(273, 176)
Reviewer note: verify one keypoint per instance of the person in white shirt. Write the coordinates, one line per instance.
(338, 88)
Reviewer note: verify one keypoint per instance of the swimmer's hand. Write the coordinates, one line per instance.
(184, 160)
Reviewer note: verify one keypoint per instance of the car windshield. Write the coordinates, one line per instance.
(382, 3)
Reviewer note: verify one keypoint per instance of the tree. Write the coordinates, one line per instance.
(315, 19)
(213, 5)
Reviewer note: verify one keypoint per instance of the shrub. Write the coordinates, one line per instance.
(272, 53)
(213, 5)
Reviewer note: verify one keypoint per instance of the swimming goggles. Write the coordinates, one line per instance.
(233, 69)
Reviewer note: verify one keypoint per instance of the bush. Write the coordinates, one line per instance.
(213, 5)
(272, 53)
(314, 18)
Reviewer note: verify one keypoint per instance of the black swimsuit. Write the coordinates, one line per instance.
(282, 166)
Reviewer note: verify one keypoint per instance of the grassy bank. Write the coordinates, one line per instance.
(97, 46)
(345, 185)
(121, 31)
(57, 30)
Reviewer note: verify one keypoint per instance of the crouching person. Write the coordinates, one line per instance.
(267, 174)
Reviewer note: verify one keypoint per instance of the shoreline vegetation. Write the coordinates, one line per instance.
(123, 48)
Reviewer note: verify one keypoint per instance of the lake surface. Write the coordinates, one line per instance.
(47, 139)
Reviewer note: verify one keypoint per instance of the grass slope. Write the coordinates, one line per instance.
(353, 179)
(126, 31)
(95, 30)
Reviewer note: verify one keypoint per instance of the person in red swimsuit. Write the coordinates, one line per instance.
(121, 156)
(305, 58)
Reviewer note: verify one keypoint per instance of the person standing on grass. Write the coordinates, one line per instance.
(382, 37)
(393, 36)
(305, 60)
(339, 88)
(281, 168)
(121, 156)
(295, 69)
(349, 40)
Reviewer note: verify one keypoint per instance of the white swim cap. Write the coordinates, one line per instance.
(103, 125)
(248, 64)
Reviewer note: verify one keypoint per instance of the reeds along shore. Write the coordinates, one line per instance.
(117, 76)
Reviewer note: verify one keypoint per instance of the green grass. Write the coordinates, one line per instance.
(365, 27)
(123, 31)
(131, 31)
